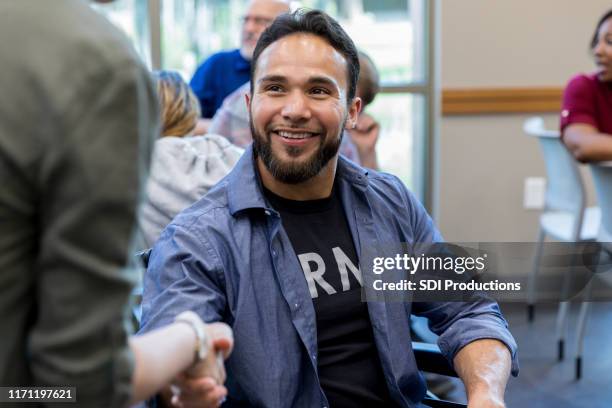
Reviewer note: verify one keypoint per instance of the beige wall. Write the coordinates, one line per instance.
(483, 160)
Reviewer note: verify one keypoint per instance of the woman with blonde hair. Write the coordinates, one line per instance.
(179, 106)
(183, 167)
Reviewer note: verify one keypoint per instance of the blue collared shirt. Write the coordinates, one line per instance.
(220, 75)
(228, 258)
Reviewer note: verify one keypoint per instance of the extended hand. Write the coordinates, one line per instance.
(202, 385)
(197, 392)
(222, 342)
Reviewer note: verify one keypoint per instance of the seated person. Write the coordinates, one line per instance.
(183, 167)
(358, 144)
(273, 250)
(586, 117)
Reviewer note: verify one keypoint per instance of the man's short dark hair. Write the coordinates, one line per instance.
(317, 23)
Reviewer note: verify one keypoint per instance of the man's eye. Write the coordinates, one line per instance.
(274, 88)
(319, 91)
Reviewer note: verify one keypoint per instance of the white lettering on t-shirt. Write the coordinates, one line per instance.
(316, 275)
(343, 262)
(314, 268)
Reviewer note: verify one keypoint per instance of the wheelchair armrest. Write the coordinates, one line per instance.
(429, 358)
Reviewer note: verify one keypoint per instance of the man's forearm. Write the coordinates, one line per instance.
(484, 366)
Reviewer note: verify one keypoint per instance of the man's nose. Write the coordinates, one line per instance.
(296, 107)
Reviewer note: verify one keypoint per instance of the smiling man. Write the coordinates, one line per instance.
(273, 250)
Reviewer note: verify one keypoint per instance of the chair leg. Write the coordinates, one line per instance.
(530, 312)
(532, 279)
(581, 329)
(562, 317)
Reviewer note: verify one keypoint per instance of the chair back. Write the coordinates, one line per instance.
(602, 177)
(564, 187)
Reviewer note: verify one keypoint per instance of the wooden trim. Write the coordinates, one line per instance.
(479, 101)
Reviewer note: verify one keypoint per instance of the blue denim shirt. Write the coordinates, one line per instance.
(229, 259)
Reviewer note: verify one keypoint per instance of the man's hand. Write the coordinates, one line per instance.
(484, 367)
(364, 136)
(197, 392)
(222, 342)
(202, 385)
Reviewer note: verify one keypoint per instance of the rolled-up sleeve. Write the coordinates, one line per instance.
(460, 323)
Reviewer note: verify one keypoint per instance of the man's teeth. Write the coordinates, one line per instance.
(291, 135)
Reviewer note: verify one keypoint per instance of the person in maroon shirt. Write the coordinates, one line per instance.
(586, 117)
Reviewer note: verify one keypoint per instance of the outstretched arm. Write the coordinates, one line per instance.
(161, 355)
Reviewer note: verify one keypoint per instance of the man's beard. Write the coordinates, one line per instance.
(293, 173)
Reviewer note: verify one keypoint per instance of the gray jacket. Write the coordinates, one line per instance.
(78, 116)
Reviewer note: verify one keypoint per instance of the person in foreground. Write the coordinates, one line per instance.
(78, 115)
(273, 250)
(586, 116)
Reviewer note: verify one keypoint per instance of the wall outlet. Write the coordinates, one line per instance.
(535, 193)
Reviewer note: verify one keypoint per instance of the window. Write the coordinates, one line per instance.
(396, 34)
(132, 17)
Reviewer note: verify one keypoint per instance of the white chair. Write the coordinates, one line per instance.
(602, 176)
(565, 216)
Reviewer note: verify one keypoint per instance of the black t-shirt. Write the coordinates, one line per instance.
(349, 367)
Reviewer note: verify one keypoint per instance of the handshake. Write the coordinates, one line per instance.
(201, 385)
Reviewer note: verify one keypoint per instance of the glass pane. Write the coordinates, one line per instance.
(401, 118)
(178, 36)
(194, 29)
(131, 16)
(391, 32)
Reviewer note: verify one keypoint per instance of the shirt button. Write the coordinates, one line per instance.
(273, 253)
(267, 212)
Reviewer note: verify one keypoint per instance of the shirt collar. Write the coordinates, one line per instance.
(245, 191)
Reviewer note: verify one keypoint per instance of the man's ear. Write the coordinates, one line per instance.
(353, 113)
(247, 99)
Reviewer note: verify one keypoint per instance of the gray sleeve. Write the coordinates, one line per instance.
(89, 182)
